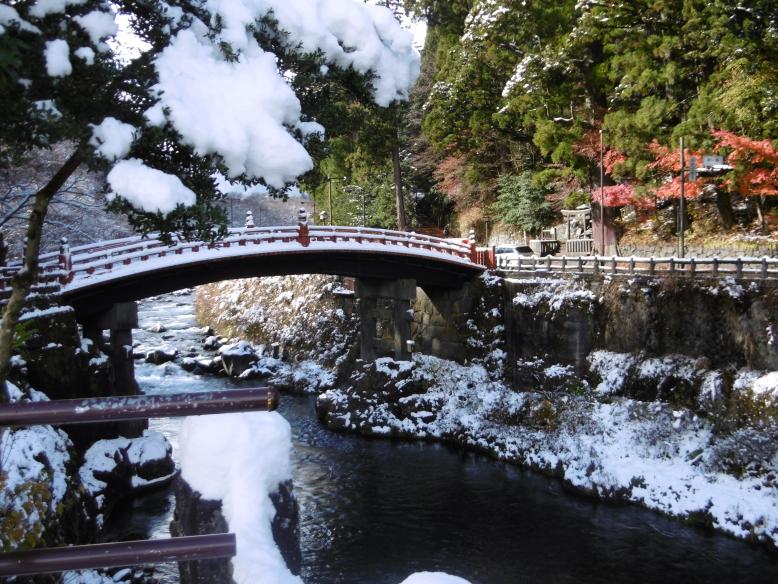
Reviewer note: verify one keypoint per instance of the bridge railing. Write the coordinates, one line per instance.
(748, 268)
(92, 259)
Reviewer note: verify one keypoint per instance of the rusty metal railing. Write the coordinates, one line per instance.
(105, 409)
(118, 555)
(137, 407)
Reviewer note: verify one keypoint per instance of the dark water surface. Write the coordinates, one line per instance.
(374, 511)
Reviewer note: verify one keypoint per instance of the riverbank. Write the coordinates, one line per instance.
(689, 436)
(372, 511)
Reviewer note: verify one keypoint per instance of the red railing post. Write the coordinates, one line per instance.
(65, 261)
(473, 253)
(303, 235)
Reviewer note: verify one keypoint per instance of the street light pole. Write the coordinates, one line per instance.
(602, 195)
(329, 178)
(682, 219)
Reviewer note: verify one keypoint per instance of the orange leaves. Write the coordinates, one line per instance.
(616, 196)
(589, 147)
(667, 162)
(450, 176)
(755, 162)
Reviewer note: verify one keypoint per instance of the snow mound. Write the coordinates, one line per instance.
(240, 459)
(433, 578)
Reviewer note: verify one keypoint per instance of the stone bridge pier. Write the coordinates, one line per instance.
(385, 312)
(393, 312)
(119, 320)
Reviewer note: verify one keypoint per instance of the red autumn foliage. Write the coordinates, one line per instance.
(450, 176)
(616, 196)
(589, 147)
(755, 161)
(667, 163)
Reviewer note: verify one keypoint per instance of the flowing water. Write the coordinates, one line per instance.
(374, 511)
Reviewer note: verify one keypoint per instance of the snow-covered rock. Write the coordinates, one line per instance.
(36, 488)
(160, 355)
(238, 358)
(120, 467)
(661, 456)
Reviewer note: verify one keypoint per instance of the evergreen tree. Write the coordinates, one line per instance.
(207, 90)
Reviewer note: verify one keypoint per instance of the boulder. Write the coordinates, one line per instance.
(121, 467)
(160, 355)
(237, 358)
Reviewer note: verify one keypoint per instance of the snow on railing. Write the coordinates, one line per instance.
(98, 258)
(745, 267)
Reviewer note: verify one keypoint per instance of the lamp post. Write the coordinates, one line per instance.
(329, 180)
(602, 195)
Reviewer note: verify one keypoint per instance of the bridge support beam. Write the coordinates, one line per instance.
(386, 312)
(120, 319)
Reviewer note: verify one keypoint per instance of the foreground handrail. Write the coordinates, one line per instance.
(119, 554)
(137, 407)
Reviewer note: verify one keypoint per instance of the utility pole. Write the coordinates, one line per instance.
(682, 210)
(602, 195)
(329, 178)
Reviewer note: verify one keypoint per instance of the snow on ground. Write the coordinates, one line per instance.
(646, 452)
(558, 294)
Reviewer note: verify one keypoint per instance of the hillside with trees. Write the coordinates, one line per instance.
(517, 93)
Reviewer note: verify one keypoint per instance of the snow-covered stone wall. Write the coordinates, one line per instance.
(310, 317)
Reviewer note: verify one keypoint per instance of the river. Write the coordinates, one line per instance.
(375, 511)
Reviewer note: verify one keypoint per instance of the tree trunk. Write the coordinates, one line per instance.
(724, 206)
(398, 187)
(24, 279)
(760, 201)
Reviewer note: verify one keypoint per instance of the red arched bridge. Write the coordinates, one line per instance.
(96, 276)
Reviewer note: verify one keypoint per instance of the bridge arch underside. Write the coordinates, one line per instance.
(98, 293)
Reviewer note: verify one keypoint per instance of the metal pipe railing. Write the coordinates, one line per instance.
(119, 554)
(137, 407)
